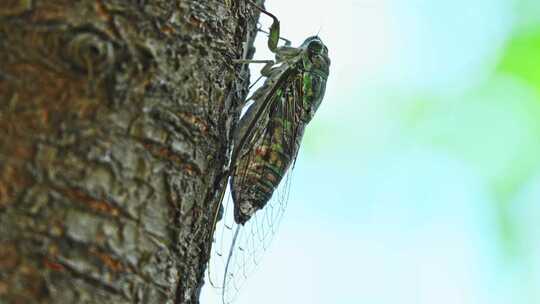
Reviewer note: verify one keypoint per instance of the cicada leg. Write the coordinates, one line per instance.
(287, 52)
(265, 71)
(287, 41)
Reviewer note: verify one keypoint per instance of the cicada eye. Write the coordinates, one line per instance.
(315, 47)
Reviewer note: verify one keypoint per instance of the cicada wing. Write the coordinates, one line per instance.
(239, 249)
(225, 229)
(251, 129)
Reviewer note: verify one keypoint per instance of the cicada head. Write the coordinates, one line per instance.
(317, 54)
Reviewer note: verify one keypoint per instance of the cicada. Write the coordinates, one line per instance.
(266, 144)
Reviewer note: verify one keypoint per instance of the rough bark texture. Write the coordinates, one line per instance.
(114, 129)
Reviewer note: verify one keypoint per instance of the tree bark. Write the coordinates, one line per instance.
(115, 123)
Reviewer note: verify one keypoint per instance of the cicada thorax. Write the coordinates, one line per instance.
(261, 168)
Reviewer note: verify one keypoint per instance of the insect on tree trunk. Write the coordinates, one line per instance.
(115, 126)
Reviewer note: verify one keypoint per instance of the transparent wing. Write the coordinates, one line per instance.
(237, 250)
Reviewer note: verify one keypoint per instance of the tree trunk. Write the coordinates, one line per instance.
(115, 121)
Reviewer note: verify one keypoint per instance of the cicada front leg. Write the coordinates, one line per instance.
(265, 71)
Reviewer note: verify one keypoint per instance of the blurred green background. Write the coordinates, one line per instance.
(419, 179)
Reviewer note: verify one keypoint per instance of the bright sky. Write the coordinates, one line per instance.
(374, 215)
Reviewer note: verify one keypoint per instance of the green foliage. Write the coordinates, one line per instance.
(522, 58)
